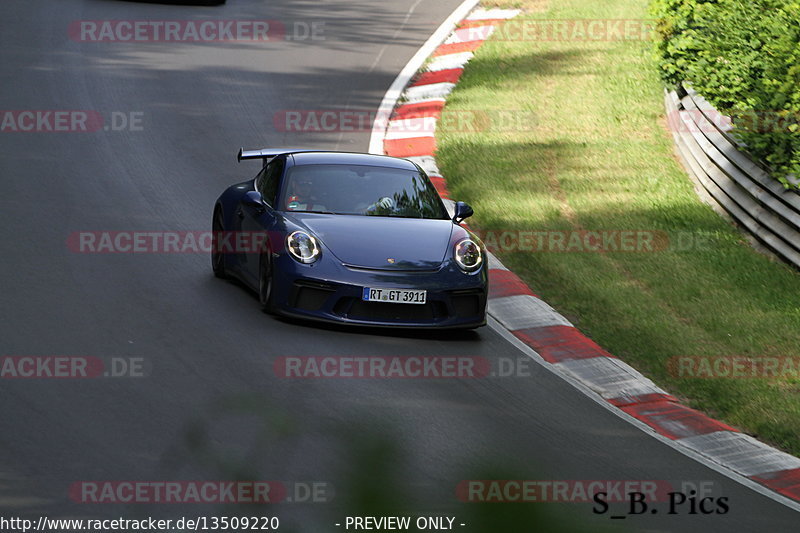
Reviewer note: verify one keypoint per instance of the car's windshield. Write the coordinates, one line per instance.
(360, 190)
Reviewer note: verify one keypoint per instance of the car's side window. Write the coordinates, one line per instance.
(260, 179)
(267, 182)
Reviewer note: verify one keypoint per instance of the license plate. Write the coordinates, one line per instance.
(396, 296)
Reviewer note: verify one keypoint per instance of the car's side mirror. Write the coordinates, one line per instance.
(253, 199)
(463, 210)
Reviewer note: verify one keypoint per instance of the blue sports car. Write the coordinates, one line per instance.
(351, 238)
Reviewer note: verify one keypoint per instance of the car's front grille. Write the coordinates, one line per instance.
(362, 310)
(459, 304)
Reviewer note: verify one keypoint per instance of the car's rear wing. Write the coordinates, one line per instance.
(265, 153)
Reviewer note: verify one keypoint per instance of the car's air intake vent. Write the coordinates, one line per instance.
(467, 303)
(310, 295)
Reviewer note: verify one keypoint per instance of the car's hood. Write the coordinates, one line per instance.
(385, 243)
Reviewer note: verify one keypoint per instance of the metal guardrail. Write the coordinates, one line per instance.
(732, 179)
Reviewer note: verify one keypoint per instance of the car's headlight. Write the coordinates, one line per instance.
(303, 247)
(468, 255)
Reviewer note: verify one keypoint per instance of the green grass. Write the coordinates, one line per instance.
(590, 150)
(530, 6)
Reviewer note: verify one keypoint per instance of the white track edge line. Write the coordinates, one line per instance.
(398, 86)
(702, 459)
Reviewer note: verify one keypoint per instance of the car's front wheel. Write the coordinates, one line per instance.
(265, 293)
(217, 257)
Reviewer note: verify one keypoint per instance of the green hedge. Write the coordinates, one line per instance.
(743, 56)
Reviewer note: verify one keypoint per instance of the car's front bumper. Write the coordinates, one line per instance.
(333, 292)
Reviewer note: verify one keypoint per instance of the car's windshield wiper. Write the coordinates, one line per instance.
(317, 212)
(394, 216)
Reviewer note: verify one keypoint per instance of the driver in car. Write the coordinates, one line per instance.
(384, 205)
(303, 197)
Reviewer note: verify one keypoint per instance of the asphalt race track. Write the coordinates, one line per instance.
(209, 405)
